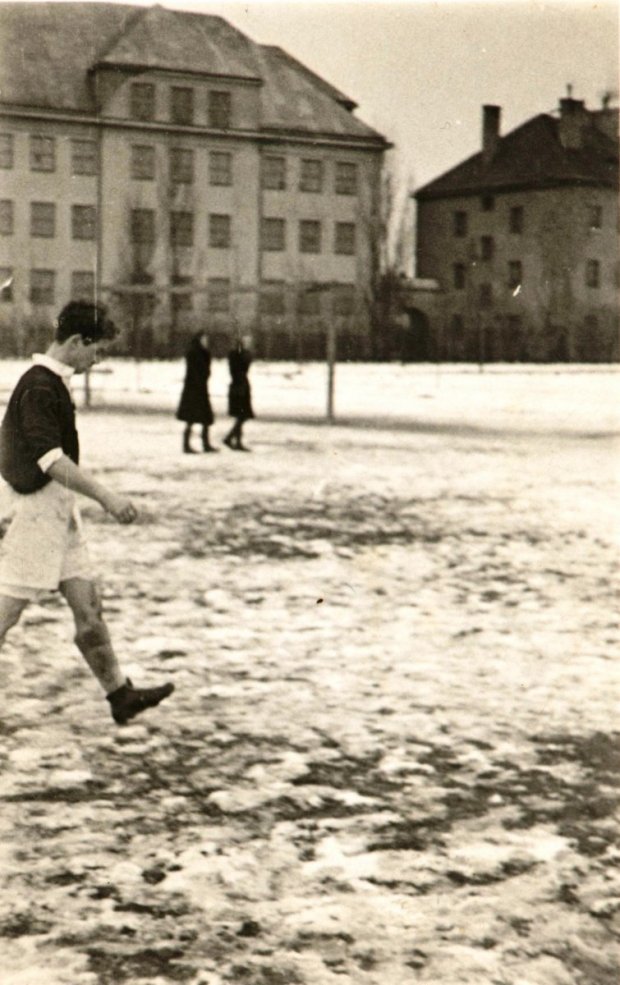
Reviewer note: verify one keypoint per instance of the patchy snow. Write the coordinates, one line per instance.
(392, 754)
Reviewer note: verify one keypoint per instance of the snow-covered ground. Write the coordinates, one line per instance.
(392, 755)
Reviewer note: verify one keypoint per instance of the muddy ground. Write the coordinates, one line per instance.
(392, 754)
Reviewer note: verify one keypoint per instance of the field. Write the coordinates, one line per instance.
(392, 755)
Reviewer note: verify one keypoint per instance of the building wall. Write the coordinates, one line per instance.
(560, 306)
(145, 283)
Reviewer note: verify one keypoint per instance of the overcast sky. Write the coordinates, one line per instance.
(420, 71)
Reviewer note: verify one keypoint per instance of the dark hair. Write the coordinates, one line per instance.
(88, 320)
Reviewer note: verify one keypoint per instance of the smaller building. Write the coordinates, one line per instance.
(522, 240)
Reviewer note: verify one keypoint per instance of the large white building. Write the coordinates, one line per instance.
(164, 162)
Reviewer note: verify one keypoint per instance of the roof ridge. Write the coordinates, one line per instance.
(134, 14)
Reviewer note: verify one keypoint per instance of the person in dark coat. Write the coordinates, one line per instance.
(239, 392)
(195, 406)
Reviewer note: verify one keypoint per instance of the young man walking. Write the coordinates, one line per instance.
(43, 548)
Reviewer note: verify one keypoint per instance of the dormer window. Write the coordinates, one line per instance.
(142, 101)
(219, 109)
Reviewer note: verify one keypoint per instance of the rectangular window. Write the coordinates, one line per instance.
(459, 223)
(457, 326)
(181, 229)
(344, 300)
(485, 295)
(274, 172)
(273, 234)
(142, 101)
(43, 219)
(181, 166)
(487, 247)
(6, 284)
(458, 276)
(142, 162)
(272, 299)
(311, 176)
(6, 217)
(220, 168)
(219, 109)
(182, 300)
(515, 273)
(42, 154)
(344, 242)
(6, 150)
(309, 236)
(142, 226)
(515, 219)
(219, 231)
(596, 216)
(182, 105)
(488, 203)
(83, 221)
(83, 157)
(82, 285)
(346, 178)
(593, 273)
(309, 301)
(42, 286)
(219, 294)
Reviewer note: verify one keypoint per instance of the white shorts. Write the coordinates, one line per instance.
(43, 545)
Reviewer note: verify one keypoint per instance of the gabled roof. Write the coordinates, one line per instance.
(48, 52)
(531, 157)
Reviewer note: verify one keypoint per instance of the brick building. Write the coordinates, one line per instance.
(522, 240)
(163, 161)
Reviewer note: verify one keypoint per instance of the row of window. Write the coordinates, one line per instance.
(43, 220)
(272, 300)
(84, 161)
(515, 274)
(273, 232)
(516, 219)
(181, 105)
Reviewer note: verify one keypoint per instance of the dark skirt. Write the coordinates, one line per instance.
(240, 400)
(195, 406)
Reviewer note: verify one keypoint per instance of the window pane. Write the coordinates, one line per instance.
(219, 109)
(142, 226)
(309, 301)
(84, 157)
(459, 276)
(274, 172)
(83, 221)
(6, 217)
(220, 168)
(182, 105)
(82, 285)
(6, 150)
(345, 238)
(142, 162)
(596, 217)
(486, 295)
(42, 219)
(181, 228)
(272, 299)
(344, 300)
(311, 176)
(142, 101)
(593, 273)
(272, 234)
(181, 166)
(346, 178)
(487, 247)
(42, 286)
(515, 273)
(459, 223)
(219, 231)
(309, 236)
(42, 154)
(516, 219)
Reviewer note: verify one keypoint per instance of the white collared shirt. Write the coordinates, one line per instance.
(65, 372)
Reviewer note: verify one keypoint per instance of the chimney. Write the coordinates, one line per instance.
(573, 118)
(490, 131)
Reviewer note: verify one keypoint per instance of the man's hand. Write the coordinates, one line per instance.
(121, 509)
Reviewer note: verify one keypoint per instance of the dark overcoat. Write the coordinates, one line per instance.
(194, 405)
(239, 391)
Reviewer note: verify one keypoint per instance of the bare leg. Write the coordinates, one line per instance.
(91, 633)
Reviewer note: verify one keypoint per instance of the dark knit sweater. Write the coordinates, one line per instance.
(40, 416)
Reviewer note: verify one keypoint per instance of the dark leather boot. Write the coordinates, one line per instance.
(128, 701)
